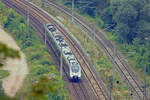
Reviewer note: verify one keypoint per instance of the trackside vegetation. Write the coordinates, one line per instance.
(126, 22)
(43, 81)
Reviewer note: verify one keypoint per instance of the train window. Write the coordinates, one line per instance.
(58, 36)
(60, 40)
(74, 63)
(60, 44)
(54, 33)
(50, 26)
(52, 29)
(67, 52)
(75, 69)
(71, 59)
(63, 44)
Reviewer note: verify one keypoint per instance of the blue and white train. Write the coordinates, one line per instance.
(73, 66)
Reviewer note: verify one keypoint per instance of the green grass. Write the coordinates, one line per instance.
(3, 74)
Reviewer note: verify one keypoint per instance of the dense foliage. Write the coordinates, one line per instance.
(127, 20)
(6, 52)
(43, 81)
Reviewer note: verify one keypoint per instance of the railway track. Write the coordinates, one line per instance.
(120, 64)
(37, 25)
(38, 18)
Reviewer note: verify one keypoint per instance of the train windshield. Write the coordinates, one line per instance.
(75, 69)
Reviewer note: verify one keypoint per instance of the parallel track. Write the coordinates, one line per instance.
(108, 48)
(97, 88)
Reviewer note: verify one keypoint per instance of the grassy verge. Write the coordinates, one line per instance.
(43, 81)
(98, 58)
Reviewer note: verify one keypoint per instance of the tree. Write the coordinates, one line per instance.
(107, 15)
(6, 52)
(137, 4)
(145, 13)
(142, 31)
(126, 14)
(123, 32)
(43, 86)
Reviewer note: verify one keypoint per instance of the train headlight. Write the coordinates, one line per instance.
(71, 75)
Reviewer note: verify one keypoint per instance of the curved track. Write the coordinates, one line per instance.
(38, 18)
(108, 48)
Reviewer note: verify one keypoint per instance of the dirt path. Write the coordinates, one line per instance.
(17, 67)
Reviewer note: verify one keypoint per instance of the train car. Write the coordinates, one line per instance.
(73, 66)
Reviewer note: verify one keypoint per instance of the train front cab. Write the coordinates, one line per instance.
(75, 75)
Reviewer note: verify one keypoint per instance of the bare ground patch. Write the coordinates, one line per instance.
(17, 68)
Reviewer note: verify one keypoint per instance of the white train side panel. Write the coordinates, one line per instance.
(70, 59)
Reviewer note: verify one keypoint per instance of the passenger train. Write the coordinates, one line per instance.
(59, 44)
